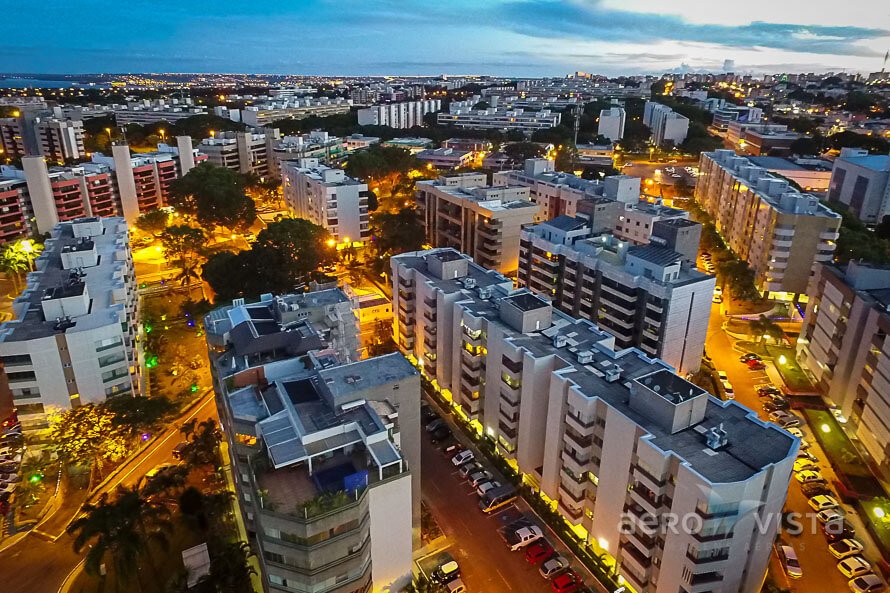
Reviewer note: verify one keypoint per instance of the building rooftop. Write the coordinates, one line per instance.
(788, 164)
(567, 223)
(52, 281)
(875, 162)
(342, 381)
(661, 256)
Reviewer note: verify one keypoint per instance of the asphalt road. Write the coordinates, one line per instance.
(35, 565)
(818, 565)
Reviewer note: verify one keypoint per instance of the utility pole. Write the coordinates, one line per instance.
(577, 110)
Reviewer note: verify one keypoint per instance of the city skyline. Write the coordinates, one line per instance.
(505, 37)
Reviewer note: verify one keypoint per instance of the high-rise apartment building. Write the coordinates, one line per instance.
(844, 346)
(12, 137)
(245, 152)
(861, 181)
(59, 140)
(14, 204)
(646, 296)
(781, 232)
(317, 144)
(614, 437)
(326, 451)
(328, 198)
(73, 337)
(665, 124)
(611, 124)
(407, 114)
(463, 212)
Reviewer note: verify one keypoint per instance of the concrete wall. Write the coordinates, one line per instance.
(391, 534)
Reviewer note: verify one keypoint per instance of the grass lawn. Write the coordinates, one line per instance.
(794, 377)
(842, 454)
(876, 513)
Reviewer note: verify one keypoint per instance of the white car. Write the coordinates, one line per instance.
(10, 477)
(462, 457)
(823, 502)
(784, 419)
(795, 432)
(790, 562)
(845, 548)
(523, 536)
(869, 583)
(854, 566)
(829, 516)
(722, 376)
(552, 566)
(803, 463)
(807, 476)
(727, 388)
(484, 487)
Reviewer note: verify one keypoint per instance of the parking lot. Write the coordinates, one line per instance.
(473, 537)
(818, 566)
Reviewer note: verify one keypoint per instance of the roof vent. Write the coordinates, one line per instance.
(585, 357)
(239, 302)
(613, 373)
(484, 292)
(560, 341)
(469, 283)
(717, 437)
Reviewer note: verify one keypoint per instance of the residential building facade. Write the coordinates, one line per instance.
(611, 124)
(861, 181)
(665, 124)
(780, 232)
(463, 212)
(844, 346)
(72, 340)
(407, 114)
(326, 451)
(328, 198)
(647, 296)
(613, 437)
(60, 140)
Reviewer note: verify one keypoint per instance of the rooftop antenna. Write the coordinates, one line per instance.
(577, 110)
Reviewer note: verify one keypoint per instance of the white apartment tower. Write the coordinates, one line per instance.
(611, 124)
(73, 338)
(407, 114)
(328, 198)
(665, 124)
(613, 436)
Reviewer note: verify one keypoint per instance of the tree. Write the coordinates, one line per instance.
(229, 274)
(13, 262)
(520, 151)
(202, 443)
(206, 512)
(287, 251)
(87, 434)
(153, 222)
(214, 195)
(120, 530)
(740, 278)
(807, 146)
(139, 414)
(230, 569)
(481, 106)
(397, 233)
(183, 246)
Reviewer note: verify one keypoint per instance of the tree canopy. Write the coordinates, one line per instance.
(215, 196)
(153, 222)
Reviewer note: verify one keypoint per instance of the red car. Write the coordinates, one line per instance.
(538, 551)
(566, 582)
(756, 365)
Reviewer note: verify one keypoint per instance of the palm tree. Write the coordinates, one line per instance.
(13, 262)
(122, 530)
(202, 447)
(207, 512)
(230, 569)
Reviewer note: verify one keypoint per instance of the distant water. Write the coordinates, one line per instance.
(20, 83)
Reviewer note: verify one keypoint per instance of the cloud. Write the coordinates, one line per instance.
(591, 20)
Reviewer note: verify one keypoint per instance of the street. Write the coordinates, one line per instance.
(36, 565)
(819, 566)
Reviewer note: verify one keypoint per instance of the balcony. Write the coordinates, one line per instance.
(579, 426)
(711, 557)
(580, 441)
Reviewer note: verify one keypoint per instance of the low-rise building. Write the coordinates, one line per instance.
(264, 114)
(843, 344)
(327, 451)
(464, 212)
(359, 141)
(861, 181)
(780, 232)
(812, 174)
(647, 296)
(150, 112)
(463, 114)
(412, 145)
(764, 141)
(317, 144)
(613, 437)
(327, 197)
(73, 337)
(445, 158)
(735, 113)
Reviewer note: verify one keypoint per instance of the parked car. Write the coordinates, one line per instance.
(815, 489)
(845, 547)
(795, 432)
(771, 406)
(486, 486)
(807, 455)
(538, 551)
(553, 566)
(790, 562)
(479, 477)
(7, 478)
(717, 299)
(749, 356)
(523, 536)
(829, 516)
(869, 583)
(453, 449)
(565, 582)
(727, 388)
(462, 457)
(722, 375)
(803, 464)
(440, 434)
(784, 419)
(766, 390)
(835, 531)
(823, 502)
(446, 572)
(854, 566)
(470, 467)
(756, 365)
(434, 424)
(809, 476)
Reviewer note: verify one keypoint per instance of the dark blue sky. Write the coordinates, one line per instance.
(511, 37)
